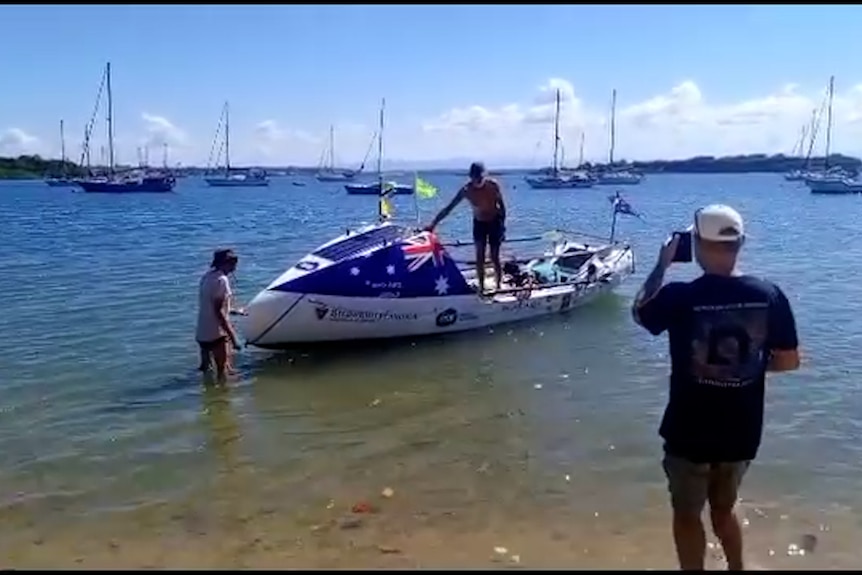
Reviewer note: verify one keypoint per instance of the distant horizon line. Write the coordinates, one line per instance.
(450, 163)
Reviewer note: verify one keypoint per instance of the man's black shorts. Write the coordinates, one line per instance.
(491, 233)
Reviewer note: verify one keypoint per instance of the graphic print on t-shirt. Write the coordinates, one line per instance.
(728, 343)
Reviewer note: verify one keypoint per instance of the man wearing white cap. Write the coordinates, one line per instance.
(726, 330)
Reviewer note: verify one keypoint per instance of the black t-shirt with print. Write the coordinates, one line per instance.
(722, 331)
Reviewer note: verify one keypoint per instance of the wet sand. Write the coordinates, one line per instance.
(240, 522)
(383, 539)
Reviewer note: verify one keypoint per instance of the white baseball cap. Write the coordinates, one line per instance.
(718, 223)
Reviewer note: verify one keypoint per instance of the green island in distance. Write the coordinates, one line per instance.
(35, 167)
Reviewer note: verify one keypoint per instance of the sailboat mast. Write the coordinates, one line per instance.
(110, 119)
(581, 152)
(380, 140)
(613, 127)
(802, 135)
(227, 138)
(62, 149)
(812, 138)
(829, 122)
(165, 155)
(380, 157)
(556, 133)
(62, 144)
(331, 148)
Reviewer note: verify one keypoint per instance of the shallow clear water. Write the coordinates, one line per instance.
(542, 434)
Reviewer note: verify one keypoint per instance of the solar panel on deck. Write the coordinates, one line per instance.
(355, 245)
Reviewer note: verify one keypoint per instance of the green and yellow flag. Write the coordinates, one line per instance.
(424, 189)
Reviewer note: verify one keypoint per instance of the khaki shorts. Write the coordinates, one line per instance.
(691, 485)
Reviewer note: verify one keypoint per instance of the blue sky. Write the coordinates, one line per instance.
(290, 71)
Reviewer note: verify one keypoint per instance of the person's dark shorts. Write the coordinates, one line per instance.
(211, 345)
(691, 485)
(491, 233)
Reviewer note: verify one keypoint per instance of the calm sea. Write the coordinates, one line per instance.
(532, 445)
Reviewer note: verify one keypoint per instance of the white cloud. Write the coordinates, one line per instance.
(478, 118)
(274, 143)
(679, 122)
(16, 142)
(159, 131)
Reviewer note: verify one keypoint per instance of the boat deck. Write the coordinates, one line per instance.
(508, 291)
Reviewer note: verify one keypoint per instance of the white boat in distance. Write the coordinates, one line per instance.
(618, 178)
(252, 179)
(834, 180)
(558, 179)
(327, 172)
(229, 177)
(615, 175)
(389, 281)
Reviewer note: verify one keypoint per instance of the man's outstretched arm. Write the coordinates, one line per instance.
(446, 211)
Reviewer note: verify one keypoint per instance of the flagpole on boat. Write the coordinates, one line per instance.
(615, 212)
(415, 199)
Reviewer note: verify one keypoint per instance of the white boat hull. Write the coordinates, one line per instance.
(557, 182)
(234, 182)
(334, 177)
(278, 319)
(619, 179)
(835, 186)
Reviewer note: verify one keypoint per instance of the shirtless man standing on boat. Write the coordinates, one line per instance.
(489, 219)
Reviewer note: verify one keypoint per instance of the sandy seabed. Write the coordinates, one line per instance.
(388, 531)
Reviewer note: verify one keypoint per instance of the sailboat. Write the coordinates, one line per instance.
(374, 188)
(328, 173)
(252, 178)
(613, 176)
(63, 181)
(831, 180)
(556, 179)
(133, 182)
(799, 175)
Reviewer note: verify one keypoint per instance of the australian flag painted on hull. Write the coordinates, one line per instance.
(383, 262)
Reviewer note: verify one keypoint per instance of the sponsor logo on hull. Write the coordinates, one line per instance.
(325, 312)
(446, 317)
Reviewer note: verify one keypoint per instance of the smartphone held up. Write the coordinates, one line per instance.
(683, 253)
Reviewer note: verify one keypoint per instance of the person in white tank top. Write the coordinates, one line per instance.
(214, 333)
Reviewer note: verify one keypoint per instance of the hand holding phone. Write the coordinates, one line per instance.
(683, 252)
